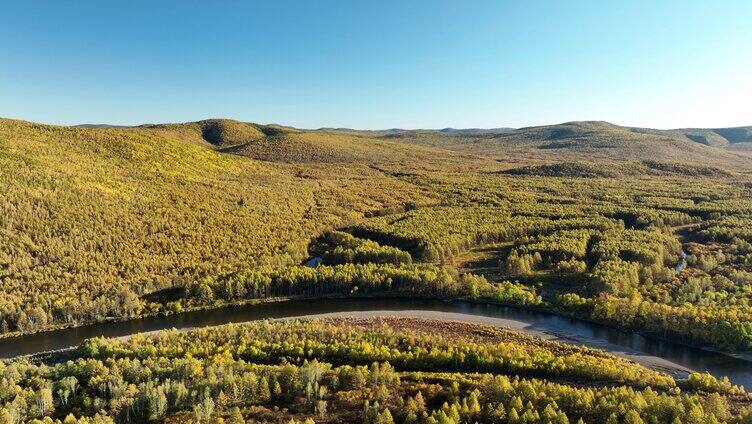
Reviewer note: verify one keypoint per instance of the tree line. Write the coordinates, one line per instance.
(309, 371)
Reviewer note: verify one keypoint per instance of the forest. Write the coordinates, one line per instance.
(111, 224)
(356, 371)
(101, 224)
(375, 212)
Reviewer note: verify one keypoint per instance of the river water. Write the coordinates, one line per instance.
(661, 354)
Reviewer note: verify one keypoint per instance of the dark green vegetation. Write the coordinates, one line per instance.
(354, 371)
(582, 219)
(614, 170)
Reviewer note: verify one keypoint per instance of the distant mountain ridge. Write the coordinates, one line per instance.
(593, 141)
(707, 136)
(723, 137)
(101, 126)
(565, 142)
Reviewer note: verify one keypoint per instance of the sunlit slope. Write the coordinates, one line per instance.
(87, 213)
(287, 145)
(587, 141)
(219, 133)
(731, 138)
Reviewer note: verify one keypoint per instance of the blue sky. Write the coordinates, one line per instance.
(369, 64)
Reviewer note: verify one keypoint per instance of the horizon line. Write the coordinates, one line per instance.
(341, 128)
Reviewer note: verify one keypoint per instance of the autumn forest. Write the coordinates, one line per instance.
(116, 223)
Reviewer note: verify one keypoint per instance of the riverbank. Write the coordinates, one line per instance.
(672, 357)
(650, 361)
(218, 308)
(413, 318)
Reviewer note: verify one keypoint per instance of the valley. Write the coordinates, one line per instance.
(641, 239)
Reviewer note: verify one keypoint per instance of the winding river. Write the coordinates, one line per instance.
(671, 357)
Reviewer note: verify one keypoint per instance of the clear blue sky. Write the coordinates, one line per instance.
(378, 64)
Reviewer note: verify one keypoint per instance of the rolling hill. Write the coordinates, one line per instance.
(92, 220)
(90, 216)
(275, 143)
(734, 138)
(508, 147)
(593, 141)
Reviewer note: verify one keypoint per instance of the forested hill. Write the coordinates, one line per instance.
(95, 223)
(595, 140)
(571, 141)
(90, 219)
(735, 138)
(274, 143)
